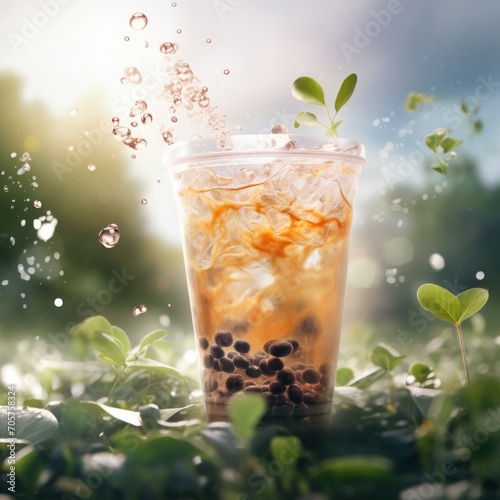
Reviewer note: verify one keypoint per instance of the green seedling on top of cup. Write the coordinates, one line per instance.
(308, 90)
(453, 308)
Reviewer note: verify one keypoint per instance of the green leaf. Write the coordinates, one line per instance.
(245, 412)
(91, 326)
(151, 364)
(108, 349)
(367, 378)
(420, 371)
(440, 302)
(286, 450)
(386, 357)
(121, 337)
(344, 376)
(471, 301)
(308, 119)
(148, 340)
(29, 424)
(168, 413)
(308, 90)
(441, 167)
(434, 139)
(345, 91)
(464, 108)
(478, 126)
(127, 416)
(416, 99)
(449, 143)
(332, 131)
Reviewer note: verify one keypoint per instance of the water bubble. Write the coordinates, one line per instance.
(6, 189)
(168, 137)
(91, 167)
(147, 119)
(37, 204)
(132, 74)
(144, 201)
(179, 31)
(133, 124)
(25, 168)
(279, 128)
(138, 21)
(174, 4)
(436, 261)
(13, 155)
(123, 80)
(5, 282)
(74, 112)
(136, 143)
(480, 275)
(121, 133)
(26, 157)
(138, 108)
(208, 40)
(226, 72)
(109, 236)
(126, 38)
(168, 48)
(146, 44)
(58, 302)
(139, 310)
(115, 121)
(12, 240)
(184, 71)
(173, 119)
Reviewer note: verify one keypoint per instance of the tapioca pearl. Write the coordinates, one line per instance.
(216, 351)
(311, 376)
(231, 354)
(310, 398)
(318, 388)
(295, 393)
(281, 349)
(295, 345)
(203, 343)
(268, 344)
(326, 369)
(234, 383)
(253, 388)
(270, 398)
(216, 366)
(280, 400)
(226, 365)
(242, 346)
(298, 376)
(325, 381)
(276, 387)
(223, 339)
(299, 412)
(241, 362)
(264, 368)
(298, 366)
(208, 361)
(309, 326)
(253, 371)
(275, 364)
(286, 376)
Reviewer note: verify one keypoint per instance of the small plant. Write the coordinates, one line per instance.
(443, 146)
(308, 90)
(453, 308)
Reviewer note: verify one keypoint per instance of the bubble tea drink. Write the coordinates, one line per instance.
(266, 223)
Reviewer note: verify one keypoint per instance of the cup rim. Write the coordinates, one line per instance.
(193, 151)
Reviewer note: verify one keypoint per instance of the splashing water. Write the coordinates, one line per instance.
(138, 21)
(109, 236)
(138, 310)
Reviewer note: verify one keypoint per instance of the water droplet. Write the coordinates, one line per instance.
(136, 143)
(279, 128)
(121, 133)
(91, 167)
(436, 261)
(184, 71)
(5, 282)
(174, 4)
(25, 168)
(179, 31)
(12, 240)
(146, 44)
(133, 124)
(168, 48)
(138, 108)
(226, 72)
(139, 310)
(74, 112)
(127, 38)
(115, 121)
(13, 155)
(168, 137)
(147, 119)
(26, 157)
(133, 157)
(144, 201)
(208, 40)
(109, 236)
(132, 74)
(173, 119)
(37, 204)
(480, 275)
(6, 189)
(58, 302)
(138, 21)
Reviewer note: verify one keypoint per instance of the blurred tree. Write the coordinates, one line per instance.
(72, 265)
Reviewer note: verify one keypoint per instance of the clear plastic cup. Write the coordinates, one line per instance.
(266, 222)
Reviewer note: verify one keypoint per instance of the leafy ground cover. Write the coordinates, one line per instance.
(120, 422)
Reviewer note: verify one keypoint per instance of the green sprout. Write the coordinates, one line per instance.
(453, 308)
(443, 146)
(308, 90)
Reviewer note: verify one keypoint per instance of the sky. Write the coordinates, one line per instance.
(65, 49)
